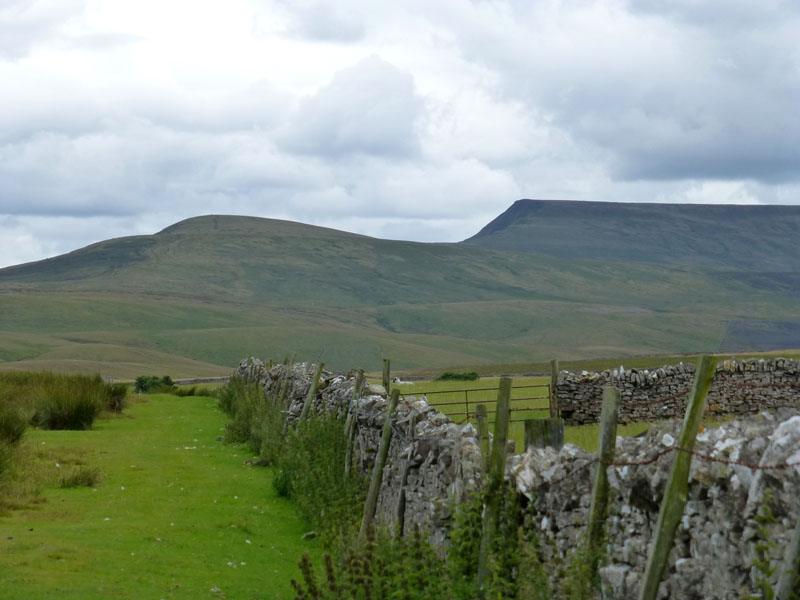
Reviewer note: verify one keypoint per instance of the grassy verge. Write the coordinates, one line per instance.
(173, 513)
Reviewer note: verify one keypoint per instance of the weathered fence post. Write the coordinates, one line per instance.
(790, 570)
(371, 503)
(312, 391)
(282, 399)
(483, 436)
(400, 516)
(494, 487)
(555, 407)
(541, 433)
(387, 377)
(674, 501)
(350, 422)
(605, 456)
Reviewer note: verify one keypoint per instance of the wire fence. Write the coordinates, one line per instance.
(469, 403)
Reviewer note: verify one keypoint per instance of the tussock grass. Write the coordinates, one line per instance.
(57, 401)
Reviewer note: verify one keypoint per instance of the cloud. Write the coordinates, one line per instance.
(324, 21)
(369, 108)
(664, 99)
(24, 24)
(412, 120)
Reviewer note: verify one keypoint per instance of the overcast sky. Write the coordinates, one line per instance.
(419, 119)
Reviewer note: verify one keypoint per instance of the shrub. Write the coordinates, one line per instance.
(116, 396)
(459, 376)
(152, 384)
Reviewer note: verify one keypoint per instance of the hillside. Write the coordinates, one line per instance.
(743, 237)
(199, 295)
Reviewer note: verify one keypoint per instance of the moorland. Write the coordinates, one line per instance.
(576, 280)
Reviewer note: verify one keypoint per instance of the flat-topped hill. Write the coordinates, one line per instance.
(746, 237)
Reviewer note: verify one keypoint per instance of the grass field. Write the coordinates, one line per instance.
(176, 514)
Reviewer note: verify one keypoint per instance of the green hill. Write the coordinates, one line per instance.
(743, 237)
(197, 296)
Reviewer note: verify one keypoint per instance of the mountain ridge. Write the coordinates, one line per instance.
(214, 288)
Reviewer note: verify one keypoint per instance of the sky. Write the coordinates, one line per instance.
(418, 120)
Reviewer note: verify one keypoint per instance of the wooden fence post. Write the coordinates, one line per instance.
(387, 377)
(494, 487)
(282, 400)
(790, 571)
(312, 391)
(674, 501)
(555, 408)
(371, 503)
(400, 515)
(541, 433)
(483, 436)
(606, 448)
(350, 422)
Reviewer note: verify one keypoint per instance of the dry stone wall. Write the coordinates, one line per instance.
(714, 550)
(748, 464)
(740, 387)
(444, 463)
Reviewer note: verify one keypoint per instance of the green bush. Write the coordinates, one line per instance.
(152, 384)
(116, 396)
(458, 376)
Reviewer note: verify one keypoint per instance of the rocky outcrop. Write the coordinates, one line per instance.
(740, 387)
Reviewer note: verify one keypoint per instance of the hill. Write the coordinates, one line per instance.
(758, 238)
(197, 296)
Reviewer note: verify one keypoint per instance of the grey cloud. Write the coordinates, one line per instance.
(662, 98)
(324, 21)
(369, 108)
(728, 14)
(136, 167)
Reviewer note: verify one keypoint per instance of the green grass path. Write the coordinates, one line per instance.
(177, 515)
